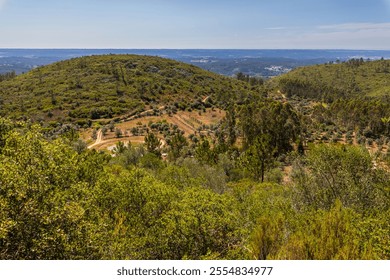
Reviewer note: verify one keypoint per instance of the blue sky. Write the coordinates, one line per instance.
(244, 24)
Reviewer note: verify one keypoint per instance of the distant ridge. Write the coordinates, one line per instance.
(226, 62)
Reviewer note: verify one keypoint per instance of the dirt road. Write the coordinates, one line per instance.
(99, 139)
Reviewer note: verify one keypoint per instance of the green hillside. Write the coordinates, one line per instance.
(352, 96)
(300, 178)
(354, 78)
(107, 86)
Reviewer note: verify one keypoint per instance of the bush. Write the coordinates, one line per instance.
(118, 132)
(275, 175)
(346, 173)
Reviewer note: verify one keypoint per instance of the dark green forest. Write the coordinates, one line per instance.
(298, 167)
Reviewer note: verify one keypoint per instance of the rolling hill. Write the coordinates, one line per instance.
(247, 178)
(352, 96)
(352, 79)
(108, 86)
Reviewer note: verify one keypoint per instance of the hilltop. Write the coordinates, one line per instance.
(108, 86)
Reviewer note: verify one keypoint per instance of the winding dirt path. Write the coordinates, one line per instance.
(99, 139)
(142, 114)
(190, 128)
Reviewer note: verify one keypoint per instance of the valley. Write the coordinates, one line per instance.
(146, 158)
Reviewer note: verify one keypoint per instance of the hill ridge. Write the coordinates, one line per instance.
(107, 86)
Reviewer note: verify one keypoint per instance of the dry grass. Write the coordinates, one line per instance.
(189, 122)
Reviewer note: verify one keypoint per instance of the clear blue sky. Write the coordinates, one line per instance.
(245, 24)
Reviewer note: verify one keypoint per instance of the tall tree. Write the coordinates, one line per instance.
(152, 144)
(177, 143)
(275, 119)
(259, 157)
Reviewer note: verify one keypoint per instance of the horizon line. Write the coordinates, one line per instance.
(239, 49)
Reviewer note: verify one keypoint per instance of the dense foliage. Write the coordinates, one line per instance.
(352, 95)
(353, 78)
(58, 202)
(247, 187)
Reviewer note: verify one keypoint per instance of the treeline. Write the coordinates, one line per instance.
(311, 89)
(7, 76)
(364, 116)
(249, 79)
(61, 201)
(370, 117)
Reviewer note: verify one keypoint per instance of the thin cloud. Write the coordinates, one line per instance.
(276, 28)
(356, 26)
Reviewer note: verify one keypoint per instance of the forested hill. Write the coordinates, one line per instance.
(354, 78)
(108, 86)
(353, 96)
